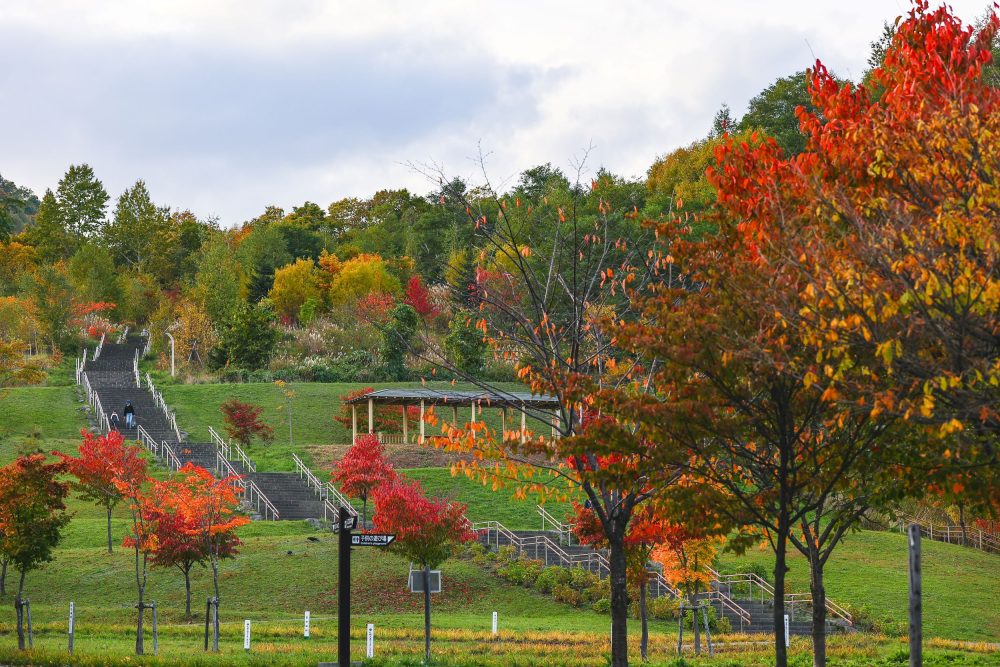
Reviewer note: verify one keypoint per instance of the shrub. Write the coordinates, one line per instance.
(663, 608)
(551, 577)
(602, 606)
(567, 595)
(531, 570)
(599, 589)
(581, 579)
(507, 554)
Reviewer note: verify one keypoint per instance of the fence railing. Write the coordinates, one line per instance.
(149, 342)
(252, 495)
(81, 363)
(123, 336)
(168, 414)
(338, 500)
(94, 401)
(565, 530)
(750, 581)
(309, 476)
(100, 346)
(952, 534)
(135, 369)
(231, 450)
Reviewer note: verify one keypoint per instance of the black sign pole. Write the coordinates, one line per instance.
(344, 592)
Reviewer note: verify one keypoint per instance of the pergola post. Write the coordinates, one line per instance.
(473, 422)
(454, 416)
(503, 424)
(555, 424)
(421, 421)
(405, 441)
(524, 425)
(371, 415)
(354, 423)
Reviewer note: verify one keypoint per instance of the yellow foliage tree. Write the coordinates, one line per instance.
(359, 276)
(294, 284)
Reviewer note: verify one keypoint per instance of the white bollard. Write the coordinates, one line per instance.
(72, 620)
(370, 644)
(494, 624)
(246, 635)
(305, 628)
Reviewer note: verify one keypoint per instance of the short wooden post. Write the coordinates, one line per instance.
(524, 425)
(503, 424)
(31, 633)
(916, 622)
(454, 416)
(406, 439)
(354, 423)
(473, 422)
(708, 632)
(680, 631)
(156, 633)
(421, 421)
(371, 415)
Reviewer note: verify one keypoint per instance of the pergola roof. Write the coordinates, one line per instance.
(511, 399)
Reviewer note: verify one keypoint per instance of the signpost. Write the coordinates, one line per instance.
(372, 540)
(305, 629)
(494, 624)
(788, 639)
(370, 644)
(345, 524)
(246, 635)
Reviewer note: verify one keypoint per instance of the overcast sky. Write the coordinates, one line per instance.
(224, 107)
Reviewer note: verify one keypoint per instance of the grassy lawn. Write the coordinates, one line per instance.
(869, 570)
(484, 503)
(50, 416)
(313, 410)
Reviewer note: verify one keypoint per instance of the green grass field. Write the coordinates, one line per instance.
(313, 409)
(281, 573)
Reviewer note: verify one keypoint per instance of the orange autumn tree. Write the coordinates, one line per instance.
(553, 270)
(141, 538)
(904, 279)
(208, 508)
(102, 460)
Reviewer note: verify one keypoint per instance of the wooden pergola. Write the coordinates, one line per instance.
(475, 400)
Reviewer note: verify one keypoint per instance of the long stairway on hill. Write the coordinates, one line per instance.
(112, 378)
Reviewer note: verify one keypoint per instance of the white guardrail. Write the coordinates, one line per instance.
(161, 450)
(94, 401)
(766, 591)
(97, 350)
(332, 499)
(231, 450)
(565, 530)
(251, 493)
(169, 414)
(123, 336)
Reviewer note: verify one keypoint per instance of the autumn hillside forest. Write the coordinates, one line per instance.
(714, 414)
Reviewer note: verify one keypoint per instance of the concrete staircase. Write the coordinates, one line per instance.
(112, 377)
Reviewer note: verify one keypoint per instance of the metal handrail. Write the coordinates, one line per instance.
(952, 534)
(228, 448)
(149, 341)
(123, 336)
(341, 499)
(135, 369)
(97, 350)
(251, 492)
(168, 414)
(145, 439)
(304, 472)
(832, 607)
(565, 530)
(173, 462)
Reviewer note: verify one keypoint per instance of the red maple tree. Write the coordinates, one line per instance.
(102, 460)
(425, 530)
(418, 297)
(244, 423)
(363, 469)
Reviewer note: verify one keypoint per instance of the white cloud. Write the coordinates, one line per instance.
(228, 106)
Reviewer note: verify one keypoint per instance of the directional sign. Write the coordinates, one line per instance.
(372, 540)
(350, 523)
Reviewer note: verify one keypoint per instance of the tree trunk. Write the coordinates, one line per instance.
(818, 613)
(19, 606)
(187, 591)
(619, 602)
(109, 529)
(644, 620)
(215, 620)
(139, 622)
(427, 614)
(695, 601)
(364, 511)
(3, 577)
(780, 568)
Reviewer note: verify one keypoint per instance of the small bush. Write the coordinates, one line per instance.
(602, 606)
(581, 579)
(567, 595)
(663, 608)
(551, 577)
(506, 554)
